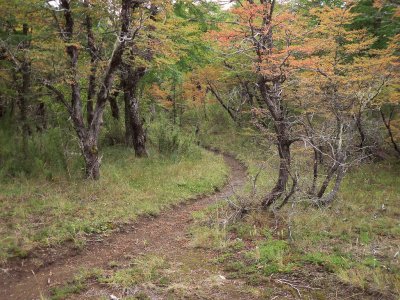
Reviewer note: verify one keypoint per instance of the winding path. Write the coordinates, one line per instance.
(165, 235)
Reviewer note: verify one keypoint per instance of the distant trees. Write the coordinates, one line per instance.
(16, 73)
(79, 48)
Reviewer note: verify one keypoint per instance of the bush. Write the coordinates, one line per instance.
(113, 131)
(218, 120)
(171, 141)
(49, 153)
(273, 256)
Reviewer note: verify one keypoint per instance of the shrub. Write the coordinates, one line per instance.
(272, 255)
(113, 132)
(49, 153)
(171, 141)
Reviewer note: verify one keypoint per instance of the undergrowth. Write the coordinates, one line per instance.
(356, 239)
(42, 212)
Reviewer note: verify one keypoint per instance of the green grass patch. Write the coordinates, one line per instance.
(76, 285)
(38, 212)
(273, 256)
(144, 269)
(332, 262)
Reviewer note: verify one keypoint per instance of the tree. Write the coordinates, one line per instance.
(132, 71)
(20, 27)
(266, 31)
(88, 134)
(342, 78)
(379, 17)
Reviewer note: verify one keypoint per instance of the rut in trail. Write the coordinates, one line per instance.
(165, 235)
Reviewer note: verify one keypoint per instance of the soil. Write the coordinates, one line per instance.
(165, 234)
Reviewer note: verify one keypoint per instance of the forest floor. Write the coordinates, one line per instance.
(159, 239)
(178, 255)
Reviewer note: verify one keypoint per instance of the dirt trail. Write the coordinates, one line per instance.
(165, 235)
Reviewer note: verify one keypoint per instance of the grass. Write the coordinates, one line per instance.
(144, 270)
(148, 268)
(40, 212)
(76, 285)
(356, 238)
(145, 275)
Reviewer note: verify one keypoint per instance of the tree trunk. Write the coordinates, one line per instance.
(283, 176)
(315, 171)
(332, 194)
(91, 94)
(139, 136)
(327, 180)
(388, 126)
(23, 104)
(337, 168)
(114, 104)
(134, 128)
(128, 127)
(88, 135)
(91, 157)
(41, 116)
(273, 102)
(360, 129)
(93, 65)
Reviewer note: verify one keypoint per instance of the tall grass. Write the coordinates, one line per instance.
(172, 141)
(53, 152)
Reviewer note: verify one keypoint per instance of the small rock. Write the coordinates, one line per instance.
(112, 297)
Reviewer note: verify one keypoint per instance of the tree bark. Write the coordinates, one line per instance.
(23, 104)
(91, 157)
(388, 126)
(114, 104)
(283, 175)
(128, 127)
(93, 51)
(315, 172)
(360, 129)
(326, 200)
(135, 133)
(338, 167)
(327, 179)
(41, 115)
(279, 117)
